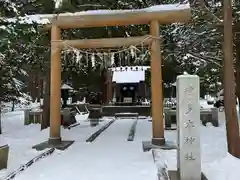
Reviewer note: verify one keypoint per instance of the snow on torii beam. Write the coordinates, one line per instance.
(165, 14)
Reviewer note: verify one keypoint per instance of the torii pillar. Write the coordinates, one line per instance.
(156, 83)
(55, 139)
(158, 139)
(55, 92)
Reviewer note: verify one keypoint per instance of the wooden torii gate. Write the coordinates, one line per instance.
(164, 14)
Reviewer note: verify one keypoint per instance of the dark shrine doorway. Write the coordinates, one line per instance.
(128, 92)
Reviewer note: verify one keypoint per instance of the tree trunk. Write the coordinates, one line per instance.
(0, 117)
(238, 69)
(46, 102)
(229, 84)
(13, 105)
(41, 87)
(33, 86)
(38, 85)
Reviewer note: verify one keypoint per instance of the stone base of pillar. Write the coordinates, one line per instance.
(148, 145)
(53, 143)
(158, 141)
(174, 175)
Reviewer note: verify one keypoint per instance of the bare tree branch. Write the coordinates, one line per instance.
(205, 7)
(91, 5)
(207, 58)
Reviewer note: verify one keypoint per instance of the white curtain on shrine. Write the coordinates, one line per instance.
(128, 76)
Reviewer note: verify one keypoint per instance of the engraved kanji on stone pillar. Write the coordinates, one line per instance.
(188, 121)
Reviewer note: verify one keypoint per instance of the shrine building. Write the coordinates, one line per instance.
(126, 85)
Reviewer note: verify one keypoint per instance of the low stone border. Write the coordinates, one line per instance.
(126, 115)
(29, 163)
(174, 175)
(72, 126)
(131, 134)
(98, 132)
(162, 171)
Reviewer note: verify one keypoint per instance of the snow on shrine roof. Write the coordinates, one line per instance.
(133, 74)
(164, 12)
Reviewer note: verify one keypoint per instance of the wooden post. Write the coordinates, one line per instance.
(108, 89)
(46, 101)
(229, 84)
(109, 86)
(156, 81)
(55, 92)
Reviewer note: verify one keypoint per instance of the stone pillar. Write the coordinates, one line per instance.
(188, 122)
(156, 80)
(55, 93)
(221, 116)
(26, 117)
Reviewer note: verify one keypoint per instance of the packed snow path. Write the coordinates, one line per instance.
(108, 157)
(118, 132)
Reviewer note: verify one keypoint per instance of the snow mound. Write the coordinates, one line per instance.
(224, 169)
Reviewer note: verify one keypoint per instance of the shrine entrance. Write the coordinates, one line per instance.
(128, 91)
(163, 14)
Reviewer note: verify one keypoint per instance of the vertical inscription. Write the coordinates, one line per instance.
(188, 119)
(189, 124)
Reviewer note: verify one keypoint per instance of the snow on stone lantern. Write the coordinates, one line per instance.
(65, 93)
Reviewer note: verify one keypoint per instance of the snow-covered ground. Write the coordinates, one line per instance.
(110, 156)
(217, 164)
(19, 106)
